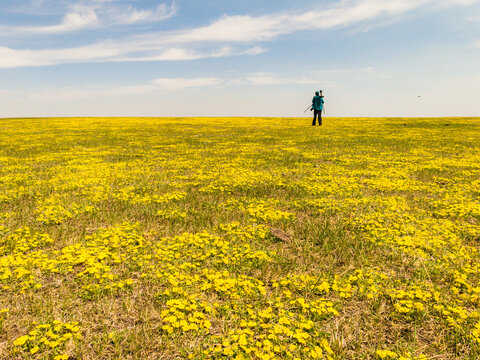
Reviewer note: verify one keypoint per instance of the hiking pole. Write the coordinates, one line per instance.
(307, 108)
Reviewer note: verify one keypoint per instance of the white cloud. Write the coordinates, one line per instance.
(271, 79)
(256, 50)
(458, 2)
(156, 85)
(111, 52)
(94, 15)
(81, 17)
(180, 54)
(367, 69)
(55, 95)
(77, 18)
(10, 58)
(4, 92)
(246, 28)
(131, 15)
(185, 83)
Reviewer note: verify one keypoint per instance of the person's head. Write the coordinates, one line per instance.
(316, 93)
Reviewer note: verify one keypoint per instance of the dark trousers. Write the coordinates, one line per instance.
(315, 113)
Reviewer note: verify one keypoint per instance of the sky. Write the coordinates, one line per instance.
(239, 58)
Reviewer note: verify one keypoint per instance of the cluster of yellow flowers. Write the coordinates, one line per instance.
(172, 214)
(51, 338)
(283, 329)
(22, 240)
(391, 355)
(260, 210)
(187, 314)
(17, 259)
(134, 195)
(52, 212)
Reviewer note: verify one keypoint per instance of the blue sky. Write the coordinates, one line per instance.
(239, 58)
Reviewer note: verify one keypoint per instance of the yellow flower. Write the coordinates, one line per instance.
(386, 354)
(21, 340)
(316, 353)
(61, 357)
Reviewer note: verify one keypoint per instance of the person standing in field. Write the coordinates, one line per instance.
(317, 107)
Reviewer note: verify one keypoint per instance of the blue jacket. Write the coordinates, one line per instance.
(317, 102)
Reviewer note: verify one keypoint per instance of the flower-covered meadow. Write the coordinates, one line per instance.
(239, 238)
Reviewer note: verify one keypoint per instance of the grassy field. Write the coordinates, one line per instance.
(239, 238)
